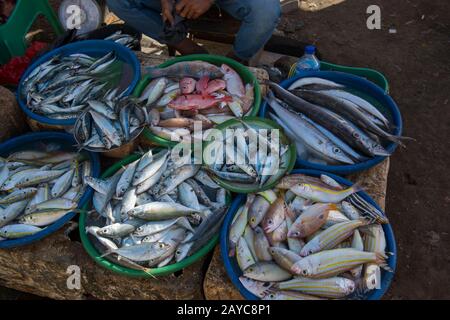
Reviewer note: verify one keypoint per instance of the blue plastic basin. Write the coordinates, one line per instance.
(369, 90)
(96, 48)
(66, 140)
(234, 272)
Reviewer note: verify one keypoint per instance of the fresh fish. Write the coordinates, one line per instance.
(261, 245)
(329, 263)
(274, 216)
(258, 210)
(234, 83)
(332, 288)
(193, 69)
(311, 220)
(244, 256)
(319, 194)
(258, 288)
(15, 231)
(266, 271)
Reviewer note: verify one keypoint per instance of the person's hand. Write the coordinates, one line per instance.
(166, 10)
(192, 9)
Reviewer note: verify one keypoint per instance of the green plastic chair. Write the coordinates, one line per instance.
(13, 32)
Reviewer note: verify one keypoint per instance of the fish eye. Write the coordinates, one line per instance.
(336, 150)
(304, 272)
(271, 295)
(270, 221)
(310, 251)
(356, 135)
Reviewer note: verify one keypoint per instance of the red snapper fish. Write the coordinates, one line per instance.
(197, 102)
(215, 85)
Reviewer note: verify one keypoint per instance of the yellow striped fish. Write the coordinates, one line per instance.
(289, 295)
(331, 237)
(321, 194)
(374, 241)
(333, 288)
(330, 263)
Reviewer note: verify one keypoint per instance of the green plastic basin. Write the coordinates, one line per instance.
(96, 255)
(243, 71)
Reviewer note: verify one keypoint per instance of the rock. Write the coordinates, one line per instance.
(40, 269)
(217, 285)
(13, 119)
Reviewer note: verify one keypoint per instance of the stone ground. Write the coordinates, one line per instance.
(415, 59)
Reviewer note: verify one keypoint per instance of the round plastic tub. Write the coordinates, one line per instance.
(234, 272)
(243, 71)
(131, 72)
(367, 90)
(96, 255)
(257, 123)
(68, 142)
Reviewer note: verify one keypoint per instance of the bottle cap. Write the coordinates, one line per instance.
(310, 49)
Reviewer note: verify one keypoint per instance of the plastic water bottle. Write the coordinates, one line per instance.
(308, 62)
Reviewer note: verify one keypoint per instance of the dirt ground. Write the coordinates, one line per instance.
(416, 62)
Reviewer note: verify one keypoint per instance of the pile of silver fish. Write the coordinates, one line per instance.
(154, 211)
(61, 87)
(304, 240)
(39, 187)
(238, 159)
(329, 124)
(123, 39)
(194, 91)
(109, 123)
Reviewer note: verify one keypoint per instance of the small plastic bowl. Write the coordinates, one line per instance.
(243, 71)
(96, 48)
(368, 90)
(96, 255)
(66, 140)
(234, 272)
(290, 155)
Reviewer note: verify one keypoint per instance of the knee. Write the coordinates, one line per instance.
(266, 12)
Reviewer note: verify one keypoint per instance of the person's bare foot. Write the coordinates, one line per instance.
(187, 46)
(233, 56)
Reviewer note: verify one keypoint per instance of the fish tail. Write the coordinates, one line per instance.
(399, 139)
(107, 253)
(380, 260)
(357, 188)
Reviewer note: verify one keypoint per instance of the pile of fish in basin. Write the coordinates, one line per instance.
(153, 212)
(308, 238)
(250, 154)
(109, 123)
(63, 83)
(341, 125)
(186, 92)
(40, 183)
